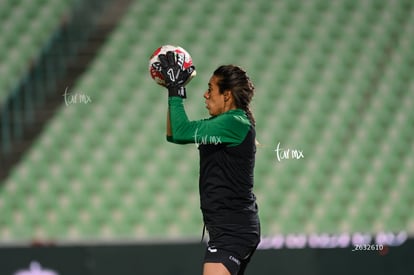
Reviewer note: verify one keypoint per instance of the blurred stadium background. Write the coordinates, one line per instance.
(83, 148)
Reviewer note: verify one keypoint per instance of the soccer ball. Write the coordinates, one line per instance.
(154, 65)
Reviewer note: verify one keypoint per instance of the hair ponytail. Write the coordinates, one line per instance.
(250, 115)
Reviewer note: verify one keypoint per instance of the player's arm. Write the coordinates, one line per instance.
(183, 133)
(176, 77)
(228, 128)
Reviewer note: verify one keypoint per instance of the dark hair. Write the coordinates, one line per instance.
(235, 79)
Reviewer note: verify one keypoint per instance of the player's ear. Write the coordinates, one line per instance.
(227, 95)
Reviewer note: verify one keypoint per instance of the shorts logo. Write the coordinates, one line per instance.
(212, 250)
(233, 259)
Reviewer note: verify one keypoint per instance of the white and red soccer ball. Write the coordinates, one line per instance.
(154, 62)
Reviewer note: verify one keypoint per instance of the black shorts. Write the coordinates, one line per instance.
(233, 245)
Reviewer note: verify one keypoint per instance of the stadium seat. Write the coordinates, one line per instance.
(332, 79)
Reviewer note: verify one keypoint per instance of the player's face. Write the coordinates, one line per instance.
(215, 101)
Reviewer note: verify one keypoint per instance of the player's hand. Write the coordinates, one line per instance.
(175, 76)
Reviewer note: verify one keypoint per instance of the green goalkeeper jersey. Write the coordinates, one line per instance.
(227, 157)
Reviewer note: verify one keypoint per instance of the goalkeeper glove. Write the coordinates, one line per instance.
(175, 76)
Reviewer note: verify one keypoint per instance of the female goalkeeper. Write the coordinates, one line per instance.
(226, 142)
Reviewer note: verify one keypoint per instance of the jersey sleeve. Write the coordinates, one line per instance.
(228, 128)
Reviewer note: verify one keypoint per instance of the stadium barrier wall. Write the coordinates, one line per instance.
(186, 258)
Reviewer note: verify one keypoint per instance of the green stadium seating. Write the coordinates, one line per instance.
(333, 79)
(26, 27)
